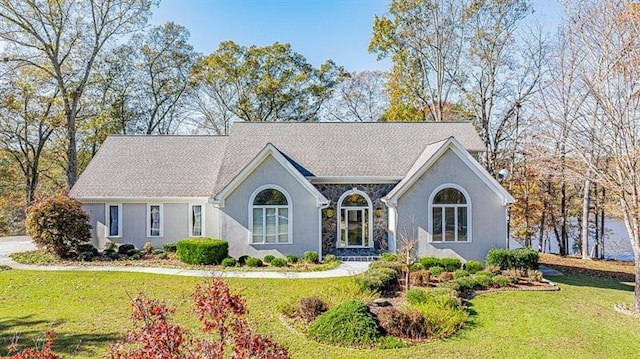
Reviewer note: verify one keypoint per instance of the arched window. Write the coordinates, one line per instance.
(270, 216)
(450, 215)
(354, 220)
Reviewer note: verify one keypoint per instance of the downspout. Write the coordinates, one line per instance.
(320, 208)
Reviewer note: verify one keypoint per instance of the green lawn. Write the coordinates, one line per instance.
(90, 310)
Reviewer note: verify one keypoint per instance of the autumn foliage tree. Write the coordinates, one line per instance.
(228, 333)
(58, 224)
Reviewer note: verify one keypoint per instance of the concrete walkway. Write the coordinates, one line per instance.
(10, 245)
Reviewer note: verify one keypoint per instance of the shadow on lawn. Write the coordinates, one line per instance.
(29, 332)
(584, 280)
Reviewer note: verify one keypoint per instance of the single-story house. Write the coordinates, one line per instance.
(350, 189)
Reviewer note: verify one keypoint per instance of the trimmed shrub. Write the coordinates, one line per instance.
(268, 258)
(500, 281)
(311, 257)
(58, 225)
(420, 278)
(451, 264)
(350, 323)
(482, 281)
(202, 250)
(436, 271)
(114, 256)
(520, 258)
(292, 258)
(428, 262)
(409, 324)
(465, 284)
(228, 262)
(243, 260)
(416, 296)
(376, 279)
(253, 262)
(473, 267)
(170, 247)
(445, 277)
(279, 262)
(330, 258)
(125, 248)
(460, 273)
(310, 308)
(107, 252)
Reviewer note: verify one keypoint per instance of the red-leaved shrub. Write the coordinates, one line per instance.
(222, 316)
(30, 353)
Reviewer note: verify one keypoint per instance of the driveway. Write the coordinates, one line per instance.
(10, 245)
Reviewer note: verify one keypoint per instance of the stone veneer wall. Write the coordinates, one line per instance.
(330, 225)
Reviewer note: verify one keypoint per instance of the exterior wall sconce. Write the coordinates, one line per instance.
(330, 212)
(379, 212)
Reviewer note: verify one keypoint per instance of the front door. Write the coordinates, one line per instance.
(355, 228)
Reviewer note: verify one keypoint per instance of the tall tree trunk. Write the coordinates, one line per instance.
(586, 199)
(564, 247)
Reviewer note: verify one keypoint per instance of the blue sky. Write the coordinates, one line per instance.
(318, 29)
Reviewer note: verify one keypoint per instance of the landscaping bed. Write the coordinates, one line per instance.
(435, 307)
(166, 260)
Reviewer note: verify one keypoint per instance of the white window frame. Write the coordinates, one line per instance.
(455, 206)
(289, 208)
(107, 213)
(202, 219)
(369, 207)
(148, 220)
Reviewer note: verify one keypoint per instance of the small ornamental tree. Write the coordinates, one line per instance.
(222, 316)
(58, 225)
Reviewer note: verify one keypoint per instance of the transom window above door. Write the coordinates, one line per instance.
(355, 220)
(270, 216)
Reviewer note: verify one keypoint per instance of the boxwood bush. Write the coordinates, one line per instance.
(202, 250)
(376, 279)
(349, 324)
(311, 257)
(520, 258)
(292, 258)
(125, 248)
(170, 247)
(460, 273)
(253, 262)
(228, 262)
(451, 264)
(278, 262)
(428, 262)
(268, 258)
(473, 267)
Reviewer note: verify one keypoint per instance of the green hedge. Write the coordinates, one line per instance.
(202, 250)
(520, 258)
(449, 264)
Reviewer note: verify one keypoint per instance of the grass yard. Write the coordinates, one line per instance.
(90, 310)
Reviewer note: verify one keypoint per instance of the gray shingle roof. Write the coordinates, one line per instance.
(342, 149)
(152, 166)
(194, 166)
